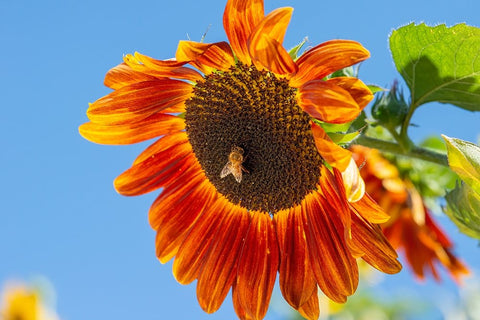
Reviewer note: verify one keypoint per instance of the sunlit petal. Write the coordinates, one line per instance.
(333, 154)
(327, 102)
(138, 101)
(206, 57)
(239, 20)
(327, 58)
(155, 125)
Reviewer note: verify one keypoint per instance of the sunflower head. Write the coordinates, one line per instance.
(252, 185)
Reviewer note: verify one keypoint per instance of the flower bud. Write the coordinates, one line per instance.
(390, 108)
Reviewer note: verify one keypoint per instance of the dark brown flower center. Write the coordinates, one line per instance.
(254, 112)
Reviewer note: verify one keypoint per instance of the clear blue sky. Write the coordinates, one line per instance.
(59, 214)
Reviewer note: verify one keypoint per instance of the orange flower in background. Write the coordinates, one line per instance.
(411, 227)
(246, 192)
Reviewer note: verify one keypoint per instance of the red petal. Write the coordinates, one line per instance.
(154, 126)
(138, 101)
(378, 252)
(311, 309)
(122, 75)
(237, 305)
(173, 195)
(327, 102)
(357, 89)
(239, 20)
(220, 268)
(153, 172)
(257, 267)
(297, 282)
(327, 58)
(370, 210)
(162, 144)
(333, 154)
(176, 216)
(207, 57)
(161, 68)
(265, 43)
(270, 54)
(334, 267)
(194, 249)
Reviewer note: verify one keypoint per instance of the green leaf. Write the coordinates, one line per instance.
(345, 72)
(343, 138)
(355, 125)
(463, 208)
(464, 159)
(439, 63)
(344, 133)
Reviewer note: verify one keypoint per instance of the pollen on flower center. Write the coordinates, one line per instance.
(256, 111)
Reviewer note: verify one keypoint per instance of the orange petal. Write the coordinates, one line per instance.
(206, 57)
(220, 268)
(311, 309)
(162, 144)
(327, 58)
(161, 68)
(378, 251)
(194, 249)
(265, 43)
(270, 54)
(334, 267)
(297, 282)
(239, 20)
(153, 172)
(332, 189)
(327, 102)
(154, 126)
(138, 101)
(178, 215)
(238, 305)
(274, 24)
(370, 210)
(172, 196)
(257, 267)
(122, 75)
(357, 89)
(335, 155)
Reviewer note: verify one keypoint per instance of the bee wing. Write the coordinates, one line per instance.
(237, 174)
(227, 169)
(230, 168)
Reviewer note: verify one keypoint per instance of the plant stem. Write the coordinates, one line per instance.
(392, 147)
(406, 122)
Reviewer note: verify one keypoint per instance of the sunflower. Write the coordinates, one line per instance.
(251, 184)
(411, 227)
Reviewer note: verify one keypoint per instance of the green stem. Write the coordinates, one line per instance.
(392, 147)
(406, 122)
(403, 140)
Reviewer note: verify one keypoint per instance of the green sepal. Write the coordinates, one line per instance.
(375, 89)
(293, 52)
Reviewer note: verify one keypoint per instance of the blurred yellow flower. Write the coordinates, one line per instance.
(24, 303)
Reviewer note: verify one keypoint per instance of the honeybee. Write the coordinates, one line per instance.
(234, 164)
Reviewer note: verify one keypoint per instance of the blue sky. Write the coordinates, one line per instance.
(61, 217)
